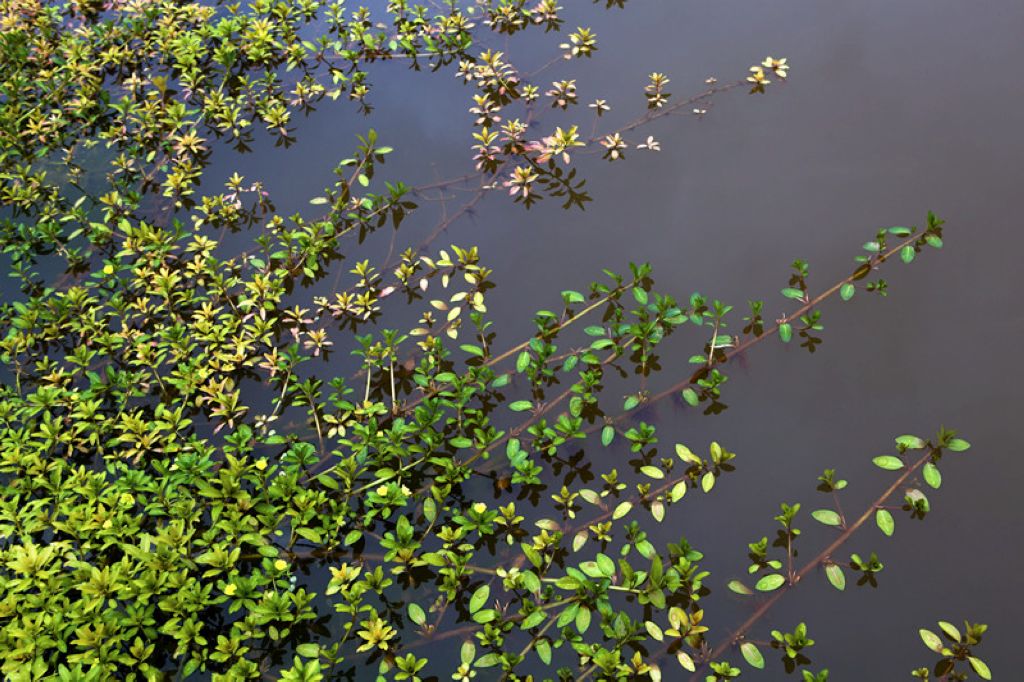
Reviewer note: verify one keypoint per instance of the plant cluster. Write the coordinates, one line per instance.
(189, 487)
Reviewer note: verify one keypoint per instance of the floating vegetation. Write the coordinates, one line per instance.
(190, 488)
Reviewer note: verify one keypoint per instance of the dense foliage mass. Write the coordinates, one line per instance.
(189, 489)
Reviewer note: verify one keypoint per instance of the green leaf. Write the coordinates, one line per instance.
(607, 435)
(318, 201)
(521, 406)
(572, 297)
(533, 620)
(416, 614)
(686, 661)
(931, 475)
(796, 294)
(472, 350)
(931, 640)
(847, 291)
(835, 575)
(640, 295)
(950, 630)
(487, 661)
(911, 442)
(980, 667)
(958, 445)
(583, 620)
(739, 588)
(543, 649)
(311, 534)
(621, 510)
(308, 650)
(885, 521)
(468, 652)
(652, 472)
(827, 517)
(900, 231)
(479, 598)
(605, 565)
(691, 397)
(770, 582)
(522, 361)
(430, 509)
(907, 254)
(631, 402)
(785, 332)
(687, 455)
(888, 462)
(751, 654)
(707, 481)
(654, 631)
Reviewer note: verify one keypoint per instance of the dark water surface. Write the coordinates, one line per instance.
(891, 109)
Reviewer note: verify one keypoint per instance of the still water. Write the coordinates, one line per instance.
(891, 109)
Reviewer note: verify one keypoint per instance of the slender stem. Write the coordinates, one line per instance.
(822, 556)
(751, 341)
(529, 645)
(394, 402)
(561, 326)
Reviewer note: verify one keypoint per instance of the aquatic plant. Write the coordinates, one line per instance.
(189, 487)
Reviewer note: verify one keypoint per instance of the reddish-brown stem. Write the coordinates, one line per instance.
(817, 561)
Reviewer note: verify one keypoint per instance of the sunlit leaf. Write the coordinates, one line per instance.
(770, 582)
(888, 462)
(980, 668)
(931, 640)
(621, 510)
(416, 613)
(827, 517)
(752, 655)
(931, 475)
(479, 598)
(739, 588)
(652, 472)
(885, 521)
(836, 577)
